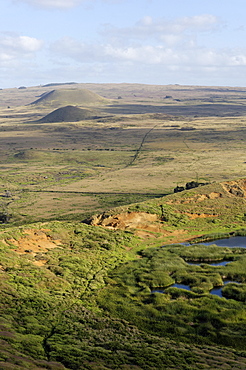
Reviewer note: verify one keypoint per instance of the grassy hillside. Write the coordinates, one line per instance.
(213, 208)
(90, 228)
(79, 296)
(58, 278)
(69, 96)
(68, 114)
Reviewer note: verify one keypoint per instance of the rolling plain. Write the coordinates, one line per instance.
(87, 202)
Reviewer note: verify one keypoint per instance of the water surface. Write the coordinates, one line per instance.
(233, 242)
(218, 290)
(221, 263)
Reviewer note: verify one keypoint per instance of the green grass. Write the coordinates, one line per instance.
(54, 314)
(170, 314)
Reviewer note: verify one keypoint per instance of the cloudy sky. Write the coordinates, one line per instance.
(191, 42)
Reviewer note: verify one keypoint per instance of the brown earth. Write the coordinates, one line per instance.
(235, 188)
(34, 242)
(145, 225)
(126, 220)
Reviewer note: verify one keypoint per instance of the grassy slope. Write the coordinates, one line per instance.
(78, 297)
(72, 96)
(55, 306)
(50, 311)
(187, 215)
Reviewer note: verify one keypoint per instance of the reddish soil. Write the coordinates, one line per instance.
(34, 242)
(145, 225)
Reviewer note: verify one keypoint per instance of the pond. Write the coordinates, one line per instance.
(215, 291)
(218, 290)
(180, 286)
(221, 263)
(233, 242)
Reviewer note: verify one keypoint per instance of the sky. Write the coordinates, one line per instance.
(186, 42)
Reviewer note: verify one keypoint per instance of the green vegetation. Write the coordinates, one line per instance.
(92, 272)
(87, 303)
(69, 96)
(133, 294)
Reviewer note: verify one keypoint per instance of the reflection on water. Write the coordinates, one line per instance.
(221, 263)
(181, 286)
(233, 242)
(158, 291)
(218, 290)
(215, 291)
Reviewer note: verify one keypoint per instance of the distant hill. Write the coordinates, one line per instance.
(69, 96)
(28, 155)
(68, 114)
(59, 84)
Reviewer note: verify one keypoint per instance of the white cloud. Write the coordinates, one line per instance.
(68, 47)
(148, 54)
(169, 31)
(62, 4)
(173, 45)
(203, 22)
(14, 47)
(238, 60)
(28, 44)
(151, 51)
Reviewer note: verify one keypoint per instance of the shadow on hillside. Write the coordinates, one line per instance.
(151, 195)
(204, 110)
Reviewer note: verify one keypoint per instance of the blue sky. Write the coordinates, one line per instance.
(191, 42)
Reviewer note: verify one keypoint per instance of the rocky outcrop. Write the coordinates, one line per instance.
(236, 188)
(143, 224)
(126, 220)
